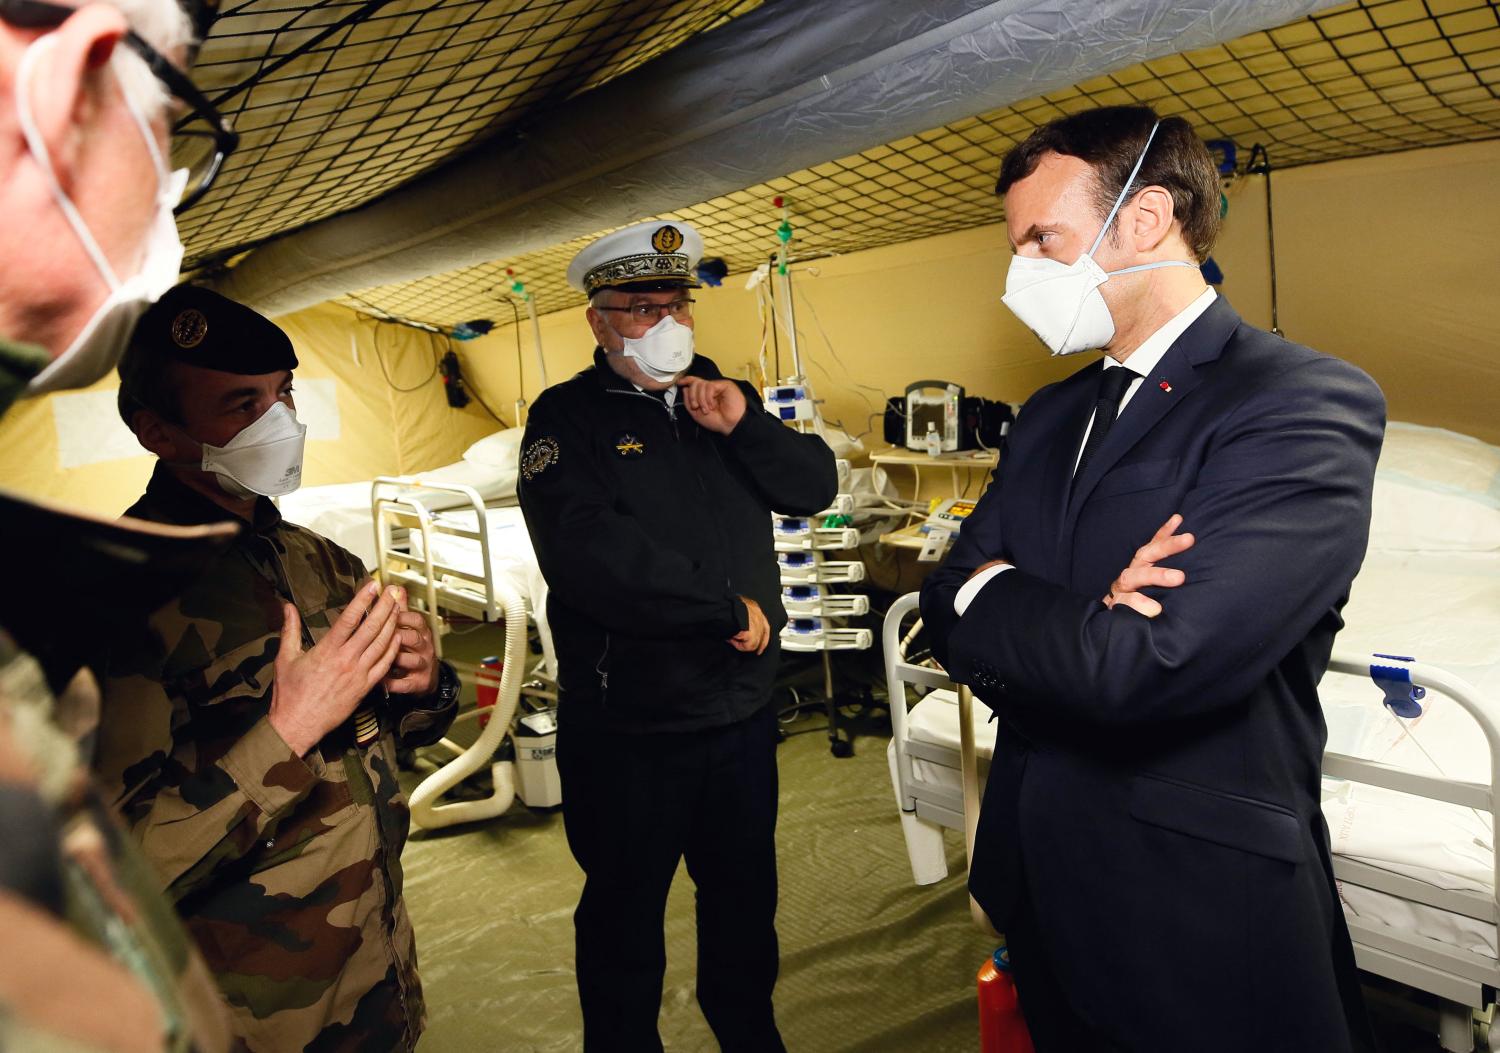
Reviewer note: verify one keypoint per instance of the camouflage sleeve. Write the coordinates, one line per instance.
(198, 795)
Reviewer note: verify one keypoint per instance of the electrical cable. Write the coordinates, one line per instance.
(380, 358)
(474, 390)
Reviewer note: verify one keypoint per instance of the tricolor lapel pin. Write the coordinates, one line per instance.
(1165, 387)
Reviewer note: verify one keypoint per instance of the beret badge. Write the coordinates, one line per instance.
(189, 328)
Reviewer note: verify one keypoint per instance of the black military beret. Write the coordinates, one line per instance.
(198, 327)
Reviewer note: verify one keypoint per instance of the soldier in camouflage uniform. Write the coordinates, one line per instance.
(250, 734)
(95, 958)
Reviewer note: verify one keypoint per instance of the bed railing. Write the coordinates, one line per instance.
(1474, 795)
(1446, 965)
(394, 505)
(899, 673)
(442, 587)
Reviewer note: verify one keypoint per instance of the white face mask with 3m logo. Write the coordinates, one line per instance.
(664, 351)
(1060, 302)
(265, 458)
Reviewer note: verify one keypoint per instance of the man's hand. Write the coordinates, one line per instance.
(756, 638)
(1143, 570)
(316, 690)
(717, 405)
(414, 672)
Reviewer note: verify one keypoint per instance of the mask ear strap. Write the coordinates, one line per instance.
(1124, 190)
(38, 147)
(1153, 266)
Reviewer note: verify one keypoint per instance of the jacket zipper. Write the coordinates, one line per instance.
(603, 673)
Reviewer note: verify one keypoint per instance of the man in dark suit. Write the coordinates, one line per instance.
(1151, 840)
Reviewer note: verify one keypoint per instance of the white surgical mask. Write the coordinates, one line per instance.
(663, 351)
(265, 458)
(96, 348)
(1060, 302)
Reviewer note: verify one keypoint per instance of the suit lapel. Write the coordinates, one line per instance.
(1173, 380)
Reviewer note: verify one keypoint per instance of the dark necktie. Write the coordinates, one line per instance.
(1113, 383)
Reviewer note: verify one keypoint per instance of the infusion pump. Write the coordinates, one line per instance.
(934, 404)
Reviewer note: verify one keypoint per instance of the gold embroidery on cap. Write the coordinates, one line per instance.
(189, 328)
(666, 239)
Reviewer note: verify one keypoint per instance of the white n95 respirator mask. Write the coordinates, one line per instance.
(1060, 302)
(265, 458)
(96, 348)
(663, 351)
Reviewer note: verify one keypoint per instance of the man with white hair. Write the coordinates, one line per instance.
(88, 242)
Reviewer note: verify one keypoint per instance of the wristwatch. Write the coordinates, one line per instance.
(448, 686)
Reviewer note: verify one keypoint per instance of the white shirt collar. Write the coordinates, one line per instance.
(668, 394)
(1143, 360)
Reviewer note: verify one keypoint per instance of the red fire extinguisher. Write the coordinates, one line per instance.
(1002, 1028)
(487, 685)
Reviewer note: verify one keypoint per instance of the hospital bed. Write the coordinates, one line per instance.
(1409, 801)
(456, 541)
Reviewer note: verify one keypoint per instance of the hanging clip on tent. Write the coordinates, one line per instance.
(1401, 695)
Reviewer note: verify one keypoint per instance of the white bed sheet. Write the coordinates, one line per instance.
(341, 511)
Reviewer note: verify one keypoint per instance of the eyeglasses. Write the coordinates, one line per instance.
(652, 312)
(203, 140)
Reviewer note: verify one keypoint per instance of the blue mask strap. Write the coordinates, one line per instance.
(1123, 191)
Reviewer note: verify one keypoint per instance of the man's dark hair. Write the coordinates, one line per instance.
(147, 382)
(1110, 140)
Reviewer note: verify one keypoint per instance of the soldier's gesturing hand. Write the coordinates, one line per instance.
(717, 405)
(316, 690)
(758, 635)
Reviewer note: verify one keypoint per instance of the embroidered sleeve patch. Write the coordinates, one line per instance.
(539, 456)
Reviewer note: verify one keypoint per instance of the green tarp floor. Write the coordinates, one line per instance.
(869, 961)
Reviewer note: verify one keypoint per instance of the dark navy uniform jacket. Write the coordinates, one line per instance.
(1154, 791)
(648, 529)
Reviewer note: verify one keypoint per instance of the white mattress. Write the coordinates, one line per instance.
(341, 511)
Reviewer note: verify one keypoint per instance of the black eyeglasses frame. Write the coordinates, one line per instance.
(41, 14)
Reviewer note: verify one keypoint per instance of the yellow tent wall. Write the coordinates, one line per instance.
(1388, 262)
(381, 430)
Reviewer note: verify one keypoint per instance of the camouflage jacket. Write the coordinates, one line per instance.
(286, 869)
(95, 947)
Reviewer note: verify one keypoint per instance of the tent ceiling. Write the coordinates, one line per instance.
(339, 101)
(1368, 77)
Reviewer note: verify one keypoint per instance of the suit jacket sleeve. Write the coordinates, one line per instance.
(598, 560)
(1280, 511)
(794, 473)
(978, 543)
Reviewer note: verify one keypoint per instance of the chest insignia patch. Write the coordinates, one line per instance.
(539, 456)
(627, 445)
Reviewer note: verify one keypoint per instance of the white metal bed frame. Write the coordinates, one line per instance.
(439, 589)
(1464, 982)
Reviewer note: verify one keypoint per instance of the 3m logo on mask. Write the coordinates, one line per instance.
(666, 239)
